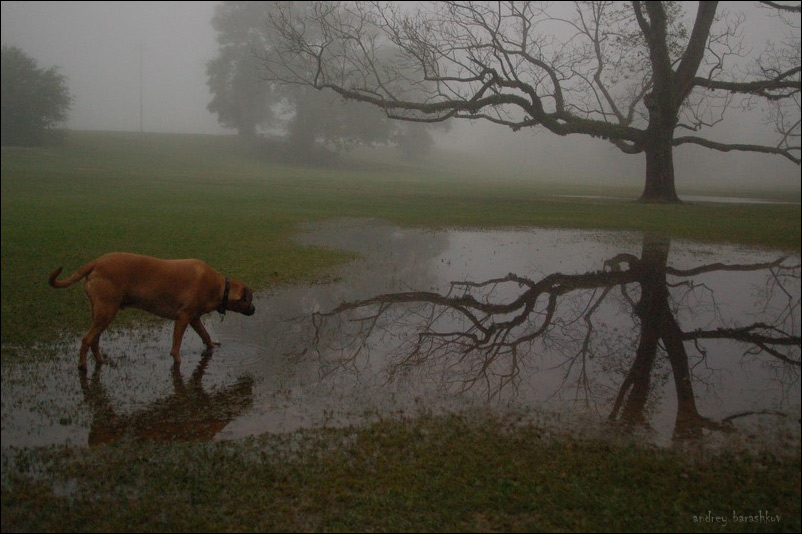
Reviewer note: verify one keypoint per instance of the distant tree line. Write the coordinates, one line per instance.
(35, 100)
(296, 122)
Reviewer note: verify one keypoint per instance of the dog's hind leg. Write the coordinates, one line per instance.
(178, 335)
(103, 313)
(100, 322)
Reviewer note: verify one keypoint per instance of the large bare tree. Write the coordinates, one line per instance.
(642, 75)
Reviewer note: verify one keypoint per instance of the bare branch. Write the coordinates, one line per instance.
(730, 147)
(797, 8)
(780, 86)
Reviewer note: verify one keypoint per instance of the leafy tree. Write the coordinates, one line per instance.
(35, 101)
(245, 101)
(242, 100)
(635, 74)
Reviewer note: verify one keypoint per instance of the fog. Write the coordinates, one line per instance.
(98, 45)
(142, 65)
(585, 160)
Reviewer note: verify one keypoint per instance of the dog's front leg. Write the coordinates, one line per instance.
(197, 325)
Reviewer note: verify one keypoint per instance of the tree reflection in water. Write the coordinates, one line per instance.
(611, 333)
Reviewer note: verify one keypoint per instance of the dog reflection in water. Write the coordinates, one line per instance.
(190, 413)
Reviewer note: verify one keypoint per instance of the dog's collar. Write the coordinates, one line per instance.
(222, 307)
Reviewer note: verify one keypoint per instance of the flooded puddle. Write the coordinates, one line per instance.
(582, 331)
(696, 198)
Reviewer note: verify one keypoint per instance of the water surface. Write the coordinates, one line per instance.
(584, 332)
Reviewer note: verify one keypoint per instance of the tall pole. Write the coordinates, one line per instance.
(140, 88)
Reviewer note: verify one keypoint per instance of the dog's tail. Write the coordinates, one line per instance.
(74, 277)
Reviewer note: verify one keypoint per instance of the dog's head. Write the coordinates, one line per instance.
(240, 299)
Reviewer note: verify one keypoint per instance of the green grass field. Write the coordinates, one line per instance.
(213, 198)
(453, 474)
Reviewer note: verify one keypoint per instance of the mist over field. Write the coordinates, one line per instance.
(142, 65)
(489, 317)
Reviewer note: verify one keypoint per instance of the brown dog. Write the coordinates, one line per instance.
(182, 290)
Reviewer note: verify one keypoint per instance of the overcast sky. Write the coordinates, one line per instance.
(98, 47)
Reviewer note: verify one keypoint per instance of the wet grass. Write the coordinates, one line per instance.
(211, 197)
(431, 474)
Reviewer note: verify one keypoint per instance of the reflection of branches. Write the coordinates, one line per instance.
(716, 267)
(478, 334)
(483, 334)
(585, 353)
(753, 334)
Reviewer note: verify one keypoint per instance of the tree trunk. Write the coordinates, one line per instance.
(659, 169)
